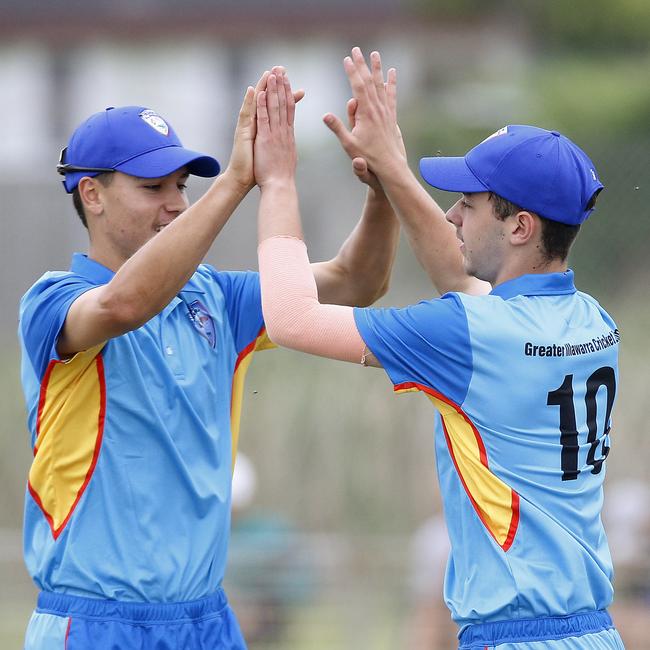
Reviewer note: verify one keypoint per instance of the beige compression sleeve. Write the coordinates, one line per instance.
(293, 316)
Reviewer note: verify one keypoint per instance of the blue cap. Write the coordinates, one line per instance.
(540, 171)
(131, 139)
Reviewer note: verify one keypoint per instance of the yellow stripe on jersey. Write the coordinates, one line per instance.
(69, 428)
(496, 504)
(262, 342)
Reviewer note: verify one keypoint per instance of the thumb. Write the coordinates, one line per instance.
(360, 166)
(351, 107)
(247, 109)
(338, 128)
(363, 173)
(246, 125)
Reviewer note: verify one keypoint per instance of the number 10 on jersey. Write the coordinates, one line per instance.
(563, 397)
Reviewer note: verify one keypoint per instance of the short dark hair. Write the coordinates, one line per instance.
(556, 237)
(105, 179)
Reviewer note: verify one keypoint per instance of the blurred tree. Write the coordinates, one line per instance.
(595, 24)
(593, 95)
(588, 25)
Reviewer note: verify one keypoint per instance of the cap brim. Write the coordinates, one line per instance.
(450, 174)
(161, 162)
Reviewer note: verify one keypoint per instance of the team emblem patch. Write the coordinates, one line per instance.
(202, 321)
(155, 121)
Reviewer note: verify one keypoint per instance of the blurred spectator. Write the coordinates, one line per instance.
(430, 626)
(269, 571)
(627, 520)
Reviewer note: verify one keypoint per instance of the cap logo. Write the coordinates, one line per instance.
(501, 131)
(155, 121)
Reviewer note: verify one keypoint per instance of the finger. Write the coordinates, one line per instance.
(356, 82)
(278, 70)
(282, 99)
(247, 110)
(338, 128)
(360, 166)
(272, 103)
(391, 92)
(246, 119)
(363, 173)
(291, 101)
(261, 83)
(259, 86)
(377, 75)
(262, 113)
(364, 73)
(298, 95)
(352, 109)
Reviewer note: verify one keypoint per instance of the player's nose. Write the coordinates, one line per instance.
(175, 200)
(453, 215)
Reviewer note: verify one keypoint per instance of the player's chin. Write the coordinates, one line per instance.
(470, 268)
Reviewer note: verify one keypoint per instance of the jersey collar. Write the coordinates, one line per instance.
(90, 269)
(536, 284)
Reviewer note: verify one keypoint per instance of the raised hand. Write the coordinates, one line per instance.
(241, 159)
(372, 114)
(275, 156)
(359, 164)
(240, 166)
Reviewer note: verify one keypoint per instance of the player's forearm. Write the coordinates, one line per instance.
(360, 272)
(278, 211)
(430, 236)
(293, 316)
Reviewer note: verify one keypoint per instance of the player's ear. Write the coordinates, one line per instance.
(524, 227)
(90, 195)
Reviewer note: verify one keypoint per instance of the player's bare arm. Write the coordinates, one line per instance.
(146, 282)
(376, 138)
(360, 273)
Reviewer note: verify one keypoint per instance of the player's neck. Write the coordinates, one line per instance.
(540, 265)
(106, 257)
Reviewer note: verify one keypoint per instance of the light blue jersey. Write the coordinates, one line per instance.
(129, 490)
(524, 381)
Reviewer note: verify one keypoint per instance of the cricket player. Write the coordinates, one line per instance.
(522, 374)
(133, 364)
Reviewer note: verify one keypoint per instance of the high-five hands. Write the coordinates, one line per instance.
(275, 155)
(373, 141)
(241, 159)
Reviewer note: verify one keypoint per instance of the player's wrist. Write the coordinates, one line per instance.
(238, 181)
(393, 170)
(280, 184)
(376, 193)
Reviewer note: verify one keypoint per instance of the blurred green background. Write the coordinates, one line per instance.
(338, 546)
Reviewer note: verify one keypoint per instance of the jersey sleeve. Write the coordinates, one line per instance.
(43, 311)
(427, 344)
(241, 290)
